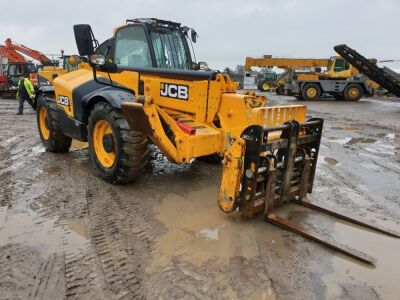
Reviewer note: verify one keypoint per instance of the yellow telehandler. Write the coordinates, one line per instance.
(142, 86)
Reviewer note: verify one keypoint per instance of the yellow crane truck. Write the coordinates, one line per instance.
(142, 85)
(341, 80)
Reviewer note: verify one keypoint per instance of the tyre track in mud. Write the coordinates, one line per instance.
(119, 231)
(25, 274)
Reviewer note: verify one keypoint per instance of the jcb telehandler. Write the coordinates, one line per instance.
(142, 85)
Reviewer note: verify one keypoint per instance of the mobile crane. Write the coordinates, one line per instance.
(288, 64)
(143, 86)
(341, 79)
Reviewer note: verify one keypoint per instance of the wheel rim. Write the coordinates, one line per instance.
(265, 86)
(43, 123)
(102, 137)
(311, 92)
(354, 92)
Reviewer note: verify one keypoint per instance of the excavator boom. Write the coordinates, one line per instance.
(11, 55)
(37, 55)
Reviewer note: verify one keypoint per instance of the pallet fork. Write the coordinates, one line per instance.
(279, 170)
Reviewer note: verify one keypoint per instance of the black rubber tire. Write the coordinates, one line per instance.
(131, 146)
(211, 159)
(39, 96)
(347, 92)
(338, 96)
(280, 90)
(57, 141)
(309, 86)
(260, 86)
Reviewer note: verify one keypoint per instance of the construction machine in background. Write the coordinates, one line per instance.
(47, 71)
(340, 80)
(47, 75)
(290, 65)
(47, 68)
(385, 77)
(143, 86)
(12, 66)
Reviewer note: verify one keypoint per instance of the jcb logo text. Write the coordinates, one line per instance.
(63, 100)
(174, 91)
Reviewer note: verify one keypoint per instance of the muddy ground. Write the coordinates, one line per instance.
(64, 233)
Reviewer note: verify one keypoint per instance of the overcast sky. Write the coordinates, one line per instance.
(229, 30)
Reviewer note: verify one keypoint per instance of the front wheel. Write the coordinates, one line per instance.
(119, 154)
(49, 127)
(353, 92)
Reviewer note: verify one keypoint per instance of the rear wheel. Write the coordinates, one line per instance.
(311, 91)
(49, 127)
(353, 92)
(119, 154)
(264, 86)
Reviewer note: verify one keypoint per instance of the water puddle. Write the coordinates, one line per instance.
(80, 227)
(331, 161)
(381, 148)
(371, 145)
(340, 141)
(198, 231)
(53, 169)
(347, 272)
(78, 145)
(37, 149)
(25, 226)
(353, 141)
(390, 136)
(347, 128)
(211, 234)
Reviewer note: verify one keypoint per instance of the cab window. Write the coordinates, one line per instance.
(169, 50)
(107, 49)
(132, 48)
(341, 65)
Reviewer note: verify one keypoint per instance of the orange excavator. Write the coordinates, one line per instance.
(46, 68)
(12, 66)
(41, 77)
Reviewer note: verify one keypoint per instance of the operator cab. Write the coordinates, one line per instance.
(15, 70)
(150, 43)
(337, 64)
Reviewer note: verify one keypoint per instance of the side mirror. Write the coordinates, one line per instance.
(100, 60)
(202, 66)
(193, 35)
(85, 40)
(97, 59)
